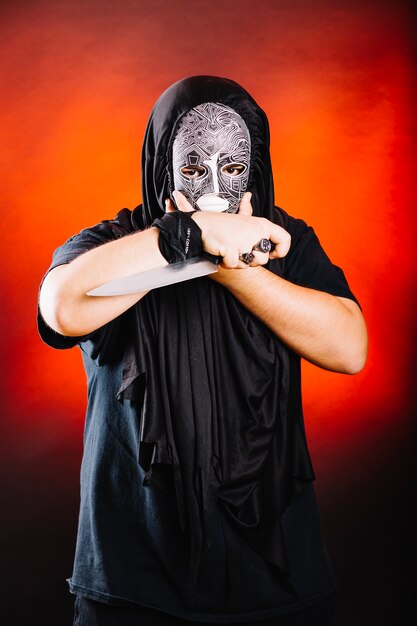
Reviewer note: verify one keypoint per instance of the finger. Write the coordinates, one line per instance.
(242, 265)
(246, 259)
(282, 240)
(261, 258)
(231, 260)
(169, 206)
(245, 207)
(182, 202)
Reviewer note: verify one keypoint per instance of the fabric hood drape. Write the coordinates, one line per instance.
(212, 381)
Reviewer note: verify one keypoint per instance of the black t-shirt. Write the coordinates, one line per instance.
(130, 547)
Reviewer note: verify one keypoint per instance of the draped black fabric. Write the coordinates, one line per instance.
(211, 379)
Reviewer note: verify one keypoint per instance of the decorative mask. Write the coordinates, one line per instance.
(211, 158)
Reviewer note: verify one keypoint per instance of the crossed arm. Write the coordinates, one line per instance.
(327, 330)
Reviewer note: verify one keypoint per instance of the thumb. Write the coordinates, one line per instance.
(245, 207)
(182, 202)
(169, 206)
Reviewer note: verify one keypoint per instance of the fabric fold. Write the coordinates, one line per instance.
(212, 385)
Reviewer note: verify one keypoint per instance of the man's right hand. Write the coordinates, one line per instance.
(230, 234)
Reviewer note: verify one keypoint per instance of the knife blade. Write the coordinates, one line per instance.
(168, 274)
(159, 277)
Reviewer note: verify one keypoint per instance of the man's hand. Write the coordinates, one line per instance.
(230, 234)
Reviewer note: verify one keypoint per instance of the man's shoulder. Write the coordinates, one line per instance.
(120, 225)
(124, 223)
(296, 226)
(103, 232)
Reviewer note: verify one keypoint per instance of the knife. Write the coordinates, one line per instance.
(159, 277)
(168, 274)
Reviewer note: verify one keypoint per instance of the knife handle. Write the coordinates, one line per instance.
(212, 257)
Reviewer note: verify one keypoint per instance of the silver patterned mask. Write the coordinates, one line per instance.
(211, 158)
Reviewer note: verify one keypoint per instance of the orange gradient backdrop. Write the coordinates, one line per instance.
(336, 81)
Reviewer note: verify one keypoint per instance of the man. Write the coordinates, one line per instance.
(197, 501)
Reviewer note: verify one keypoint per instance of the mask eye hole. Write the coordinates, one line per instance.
(193, 171)
(234, 169)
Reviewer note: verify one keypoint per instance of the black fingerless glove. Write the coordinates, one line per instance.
(179, 236)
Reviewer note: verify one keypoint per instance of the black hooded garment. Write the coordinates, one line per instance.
(218, 400)
(215, 393)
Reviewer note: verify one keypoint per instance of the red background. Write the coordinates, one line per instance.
(336, 81)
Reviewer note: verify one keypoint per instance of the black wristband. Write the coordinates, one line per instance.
(179, 236)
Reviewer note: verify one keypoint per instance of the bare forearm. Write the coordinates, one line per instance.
(326, 330)
(63, 300)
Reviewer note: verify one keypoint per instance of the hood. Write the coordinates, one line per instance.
(178, 99)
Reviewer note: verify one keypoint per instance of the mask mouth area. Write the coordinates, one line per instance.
(212, 202)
